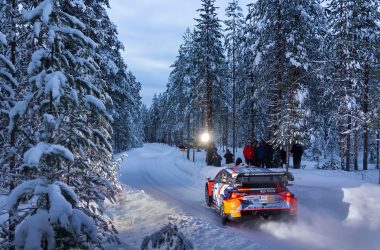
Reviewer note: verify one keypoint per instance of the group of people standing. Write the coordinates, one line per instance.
(259, 154)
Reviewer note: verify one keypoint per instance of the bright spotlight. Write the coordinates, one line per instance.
(205, 137)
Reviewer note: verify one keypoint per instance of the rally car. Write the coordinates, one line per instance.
(243, 192)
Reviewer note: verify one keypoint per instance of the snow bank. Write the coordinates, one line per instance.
(138, 214)
(364, 206)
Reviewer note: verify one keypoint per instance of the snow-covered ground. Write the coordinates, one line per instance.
(337, 209)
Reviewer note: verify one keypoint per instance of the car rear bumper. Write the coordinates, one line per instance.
(245, 214)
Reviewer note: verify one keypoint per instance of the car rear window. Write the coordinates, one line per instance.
(260, 179)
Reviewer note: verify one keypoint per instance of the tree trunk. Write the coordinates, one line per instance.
(348, 149)
(341, 85)
(278, 78)
(356, 148)
(377, 149)
(13, 135)
(365, 111)
(188, 138)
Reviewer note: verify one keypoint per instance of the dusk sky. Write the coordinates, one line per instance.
(151, 31)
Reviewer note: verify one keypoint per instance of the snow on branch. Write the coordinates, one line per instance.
(97, 103)
(76, 32)
(36, 60)
(9, 77)
(18, 192)
(43, 10)
(54, 83)
(73, 20)
(7, 63)
(3, 39)
(168, 236)
(34, 230)
(17, 111)
(33, 156)
(82, 223)
(68, 192)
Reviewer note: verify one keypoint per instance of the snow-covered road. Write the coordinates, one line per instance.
(336, 210)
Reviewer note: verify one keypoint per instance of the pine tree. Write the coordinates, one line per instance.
(210, 58)
(233, 45)
(69, 135)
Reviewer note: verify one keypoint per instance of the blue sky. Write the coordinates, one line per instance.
(151, 31)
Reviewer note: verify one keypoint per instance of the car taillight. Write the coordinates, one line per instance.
(287, 195)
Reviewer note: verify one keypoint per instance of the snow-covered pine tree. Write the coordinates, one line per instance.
(364, 49)
(233, 46)
(338, 45)
(122, 89)
(287, 35)
(179, 89)
(211, 88)
(8, 87)
(68, 135)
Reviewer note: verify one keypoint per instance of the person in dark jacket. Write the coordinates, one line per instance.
(209, 154)
(268, 155)
(260, 155)
(237, 163)
(283, 157)
(216, 160)
(229, 156)
(297, 152)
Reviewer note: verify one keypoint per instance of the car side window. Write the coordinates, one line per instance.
(218, 177)
(223, 177)
(229, 178)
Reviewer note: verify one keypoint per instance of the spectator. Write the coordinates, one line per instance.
(229, 157)
(209, 154)
(254, 146)
(216, 159)
(268, 155)
(237, 163)
(283, 157)
(248, 153)
(260, 155)
(297, 152)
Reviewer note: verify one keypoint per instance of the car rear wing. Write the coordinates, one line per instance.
(264, 177)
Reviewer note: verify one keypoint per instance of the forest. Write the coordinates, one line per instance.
(286, 72)
(68, 102)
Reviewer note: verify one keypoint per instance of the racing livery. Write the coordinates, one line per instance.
(248, 191)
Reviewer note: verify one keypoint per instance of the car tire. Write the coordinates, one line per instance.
(223, 216)
(208, 198)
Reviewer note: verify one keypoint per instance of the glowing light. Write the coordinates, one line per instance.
(205, 137)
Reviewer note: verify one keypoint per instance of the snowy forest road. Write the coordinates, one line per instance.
(172, 185)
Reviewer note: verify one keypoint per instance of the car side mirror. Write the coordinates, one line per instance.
(208, 179)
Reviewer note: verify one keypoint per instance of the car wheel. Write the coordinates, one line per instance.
(223, 216)
(207, 197)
